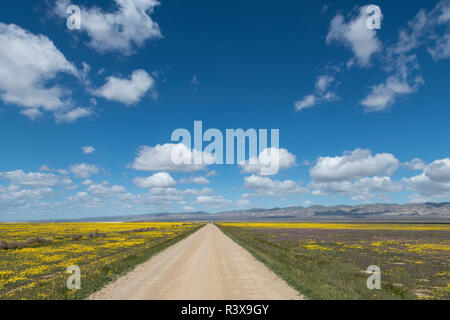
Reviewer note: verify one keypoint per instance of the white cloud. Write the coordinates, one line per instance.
(164, 196)
(60, 171)
(212, 173)
(32, 113)
(84, 170)
(123, 30)
(160, 158)
(385, 94)
(323, 83)
(72, 115)
(439, 170)
(197, 192)
(45, 168)
(434, 26)
(88, 149)
(213, 201)
(159, 180)
(426, 29)
(433, 182)
(415, 164)
(323, 93)
(308, 101)
(126, 91)
(195, 180)
(100, 190)
(30, 64)
(86, 182)
(31, 179)
(243, 203)
(355, 34)
(84, 199)
(357, 173)
(363, 186)
(353, 165)
(264, 186)
(442, 48)
(269, 157)
(15, 197)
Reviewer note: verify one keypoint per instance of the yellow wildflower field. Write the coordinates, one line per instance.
(102, 251)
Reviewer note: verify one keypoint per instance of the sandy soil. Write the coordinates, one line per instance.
(207, 265)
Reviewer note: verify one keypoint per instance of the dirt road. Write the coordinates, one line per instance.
(207, 265)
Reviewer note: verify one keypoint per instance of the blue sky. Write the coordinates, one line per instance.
(363, 114)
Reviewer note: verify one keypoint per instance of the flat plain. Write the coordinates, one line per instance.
(150, 260)
(35, 256)
(329, 260)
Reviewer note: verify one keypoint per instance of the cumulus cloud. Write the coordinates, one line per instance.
(124, 30)
(194, 180)
(415, 164)
(27, 190)
(354, 34)
(31, 179)
(363, 186)
(439, 170)
(101, 190)
(88, 149)
(164, 196)
(84, 170)
(264, 186)
(159, 180)
(357, 173)
(213, 201)
(434, 181)
(84, 199)
(353, 165)
(267, 159)
(16, 197)
(126, 91)
(30, 64)
(170, 157)
(324, 92)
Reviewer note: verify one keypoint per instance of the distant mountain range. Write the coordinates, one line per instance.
(371, 212)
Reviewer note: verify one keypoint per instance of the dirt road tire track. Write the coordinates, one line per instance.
(207, 265)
